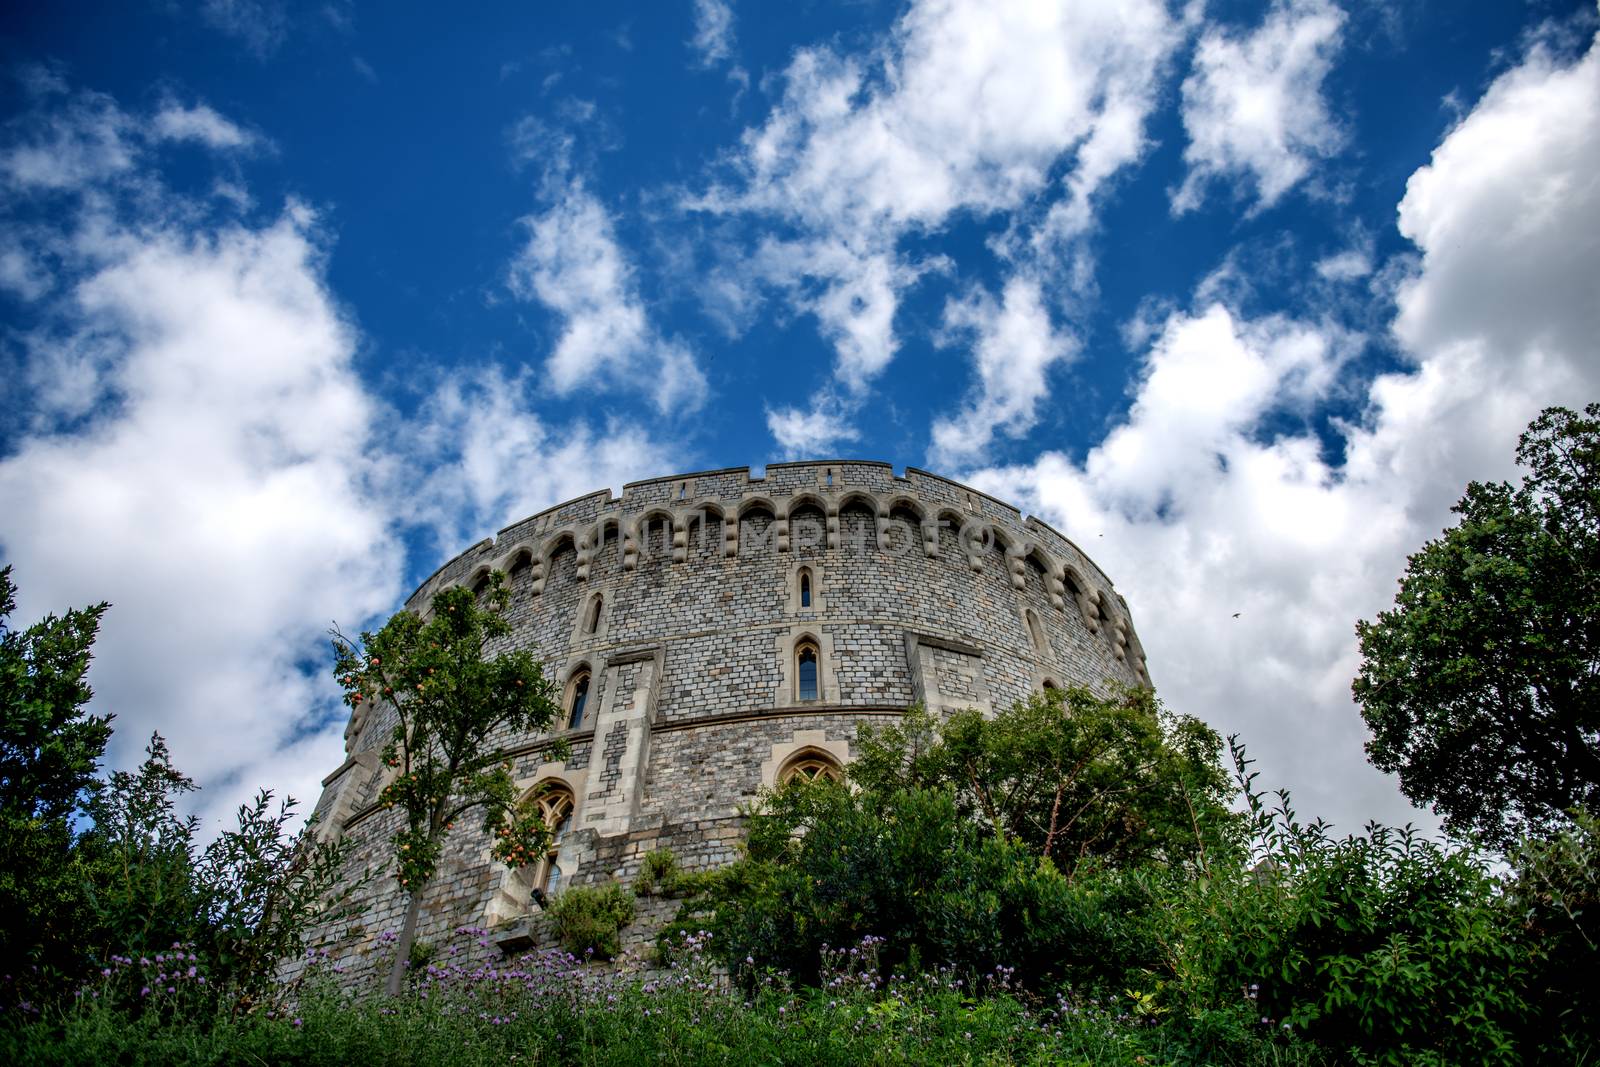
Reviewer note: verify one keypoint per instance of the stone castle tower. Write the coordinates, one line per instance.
(715, 634)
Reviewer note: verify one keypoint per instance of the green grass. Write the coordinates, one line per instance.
(553, 1009)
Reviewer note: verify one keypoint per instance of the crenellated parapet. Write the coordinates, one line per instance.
(907, 511)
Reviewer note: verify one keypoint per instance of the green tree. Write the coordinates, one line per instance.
(1482, 685)
(49, 751)
(1073, 777)
(447, 699)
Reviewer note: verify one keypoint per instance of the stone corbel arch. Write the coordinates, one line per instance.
(1086, 597)
(547, 551)
(975, 535)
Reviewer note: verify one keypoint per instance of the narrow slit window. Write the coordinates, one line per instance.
(595, 606)
(580, 698)
(805, 589)
(806, 657)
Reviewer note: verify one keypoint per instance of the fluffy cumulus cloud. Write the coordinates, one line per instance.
(493, 461)
(1014, 346)
(965, 107)
(573, 263)
(809, 432)
(1253, 106)
(208, 481)
(1203, 506)
(202, 453)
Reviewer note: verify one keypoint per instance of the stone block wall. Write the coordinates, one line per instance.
(681, 600)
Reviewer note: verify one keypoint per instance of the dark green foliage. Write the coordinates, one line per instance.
(244, 902)
(1382, 945)
(1482, 685)
(1553, 905)
(828, 867)
(50, 749)
(485, 1011)
(142, 893)
(588, 919)
(1075, 778)
(445, 695)
(100, 869)
(660, 875)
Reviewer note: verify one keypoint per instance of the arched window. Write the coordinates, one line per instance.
(480, 587)
(1036, 631)
(805, 587)
(556, 806)
(592, 622)
(805, 656)
(1050, 688)
(810, 765)
(577, 699)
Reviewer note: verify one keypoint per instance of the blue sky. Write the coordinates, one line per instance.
(299, 301)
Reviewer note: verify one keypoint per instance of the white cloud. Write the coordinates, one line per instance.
(1346, 266)
(220, 500)
(809, 433)
(1014, 345)
(260, 25)
(1253, 106)
(574, 265)
(713, 32)
(494, 461)
(68, 140)
(199, 123)
(966, 106)
(79, 138)
(204, 456)
(1203, 506)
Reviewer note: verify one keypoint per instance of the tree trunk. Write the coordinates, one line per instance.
(402, 948)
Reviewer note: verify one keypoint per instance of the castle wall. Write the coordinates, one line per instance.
(923, 590)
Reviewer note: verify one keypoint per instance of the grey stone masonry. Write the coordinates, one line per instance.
(710, 668)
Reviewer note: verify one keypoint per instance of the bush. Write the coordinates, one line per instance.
(588, 919)
(660, 875)
(1384, 946)
(473, 1008)
(827, 867)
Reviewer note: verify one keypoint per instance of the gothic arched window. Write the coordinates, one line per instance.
(592, 622)
(811, 765)
(577, 699)
(556, 807)
(805, 657)
(805, 588)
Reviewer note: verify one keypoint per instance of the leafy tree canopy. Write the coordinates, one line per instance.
(446, 692)
(50, 748)
(1071, 776)
(1482, 685)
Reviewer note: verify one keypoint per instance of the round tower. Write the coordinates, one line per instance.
(714, 634)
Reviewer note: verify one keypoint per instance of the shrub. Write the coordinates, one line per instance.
(660, 875)
(588, 919)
